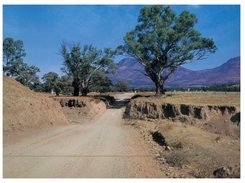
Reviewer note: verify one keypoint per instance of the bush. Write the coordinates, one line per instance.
(176, 159)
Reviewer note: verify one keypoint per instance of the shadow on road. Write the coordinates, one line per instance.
(118, 104)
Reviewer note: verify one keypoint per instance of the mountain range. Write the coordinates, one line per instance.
(133, 72)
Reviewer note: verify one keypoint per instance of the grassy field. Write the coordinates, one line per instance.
(202, 98)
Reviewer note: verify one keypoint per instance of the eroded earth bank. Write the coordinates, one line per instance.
(192, 135)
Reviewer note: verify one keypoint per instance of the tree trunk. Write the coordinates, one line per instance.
(76, 86)
(76, 91)
(84, 87)
(85, 91)
(159, 88)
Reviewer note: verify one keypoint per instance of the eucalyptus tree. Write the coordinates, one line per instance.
(14, 66)
(50, 80)
(122, 86)
(162, 41)
(83, 62)
(100, 82)
(13, 54)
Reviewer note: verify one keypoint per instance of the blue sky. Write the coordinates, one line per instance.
(42, 28)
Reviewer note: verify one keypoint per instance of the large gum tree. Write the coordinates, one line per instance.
(162, 41)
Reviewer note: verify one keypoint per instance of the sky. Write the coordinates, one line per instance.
(43, 28)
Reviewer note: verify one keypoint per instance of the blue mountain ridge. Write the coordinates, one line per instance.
(133, 72)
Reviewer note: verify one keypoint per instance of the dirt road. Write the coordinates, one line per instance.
(102, 148)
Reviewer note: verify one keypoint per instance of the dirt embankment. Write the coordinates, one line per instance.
(190, 135)
(153, 110)
(23, 108)
(215, 118)
(81, 109)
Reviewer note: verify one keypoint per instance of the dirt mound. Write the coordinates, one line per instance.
(23, 108)
(81, 109)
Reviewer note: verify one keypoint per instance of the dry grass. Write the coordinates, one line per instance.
(194, 151)
(176, 159)
(201, 98)
(200, 149)
(113, 94)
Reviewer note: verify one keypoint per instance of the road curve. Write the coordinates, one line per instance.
(104, 148)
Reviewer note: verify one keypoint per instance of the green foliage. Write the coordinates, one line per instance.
(121, 86)
(13, 54)
(100, 82)
(65, 84)
(13, 50)
(83, 62)
(162, 41)
(27, 75)
(216, 88)
(13, 65)
(221, 88)
(50, 81)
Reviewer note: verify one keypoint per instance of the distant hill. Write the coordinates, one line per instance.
(228, 73)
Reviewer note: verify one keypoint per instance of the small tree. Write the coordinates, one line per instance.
(162, 41)
(65, 84)
(13, 54)
(27, 75)
(50, 81)
(100, 82)
(121, 86)
(13, 65)
(83, 63)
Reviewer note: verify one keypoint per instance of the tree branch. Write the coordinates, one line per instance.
(171, 70)
(91, 74)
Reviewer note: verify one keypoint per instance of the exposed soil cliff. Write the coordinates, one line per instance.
(210, 117)
(143, 110)
(80, 109)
